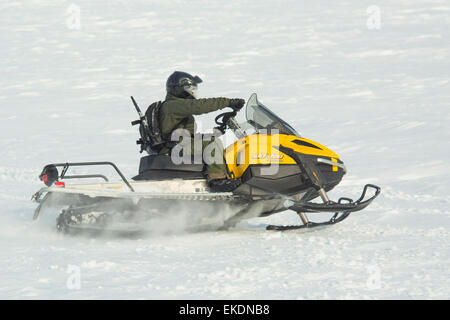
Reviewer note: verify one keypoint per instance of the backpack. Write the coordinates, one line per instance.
(152, 140)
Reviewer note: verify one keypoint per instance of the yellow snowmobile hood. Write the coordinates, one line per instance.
(262, 149)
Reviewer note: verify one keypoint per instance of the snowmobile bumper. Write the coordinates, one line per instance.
(341, 210)
(331, 206)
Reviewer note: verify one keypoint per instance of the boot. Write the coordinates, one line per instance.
(224, 185)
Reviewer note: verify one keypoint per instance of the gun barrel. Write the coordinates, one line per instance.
(136, 106)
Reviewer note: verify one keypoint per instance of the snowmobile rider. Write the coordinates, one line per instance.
(177, 112)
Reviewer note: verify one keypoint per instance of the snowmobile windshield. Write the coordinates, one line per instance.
(260, 117)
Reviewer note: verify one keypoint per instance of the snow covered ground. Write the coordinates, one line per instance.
(376, 91)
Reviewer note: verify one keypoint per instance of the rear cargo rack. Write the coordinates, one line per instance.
(85, 164)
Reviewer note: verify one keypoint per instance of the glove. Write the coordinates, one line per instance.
(236, 104)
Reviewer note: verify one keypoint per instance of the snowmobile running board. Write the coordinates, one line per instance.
(344, 209)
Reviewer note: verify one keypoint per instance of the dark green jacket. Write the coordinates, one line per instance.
(177, 113)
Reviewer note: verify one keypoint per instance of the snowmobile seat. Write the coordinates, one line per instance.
(161, 167)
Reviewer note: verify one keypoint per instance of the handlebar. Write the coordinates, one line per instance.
(227, 119)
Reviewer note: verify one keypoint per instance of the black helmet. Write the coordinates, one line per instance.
(183, 85)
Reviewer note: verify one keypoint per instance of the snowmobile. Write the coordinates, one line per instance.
(279, 170)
